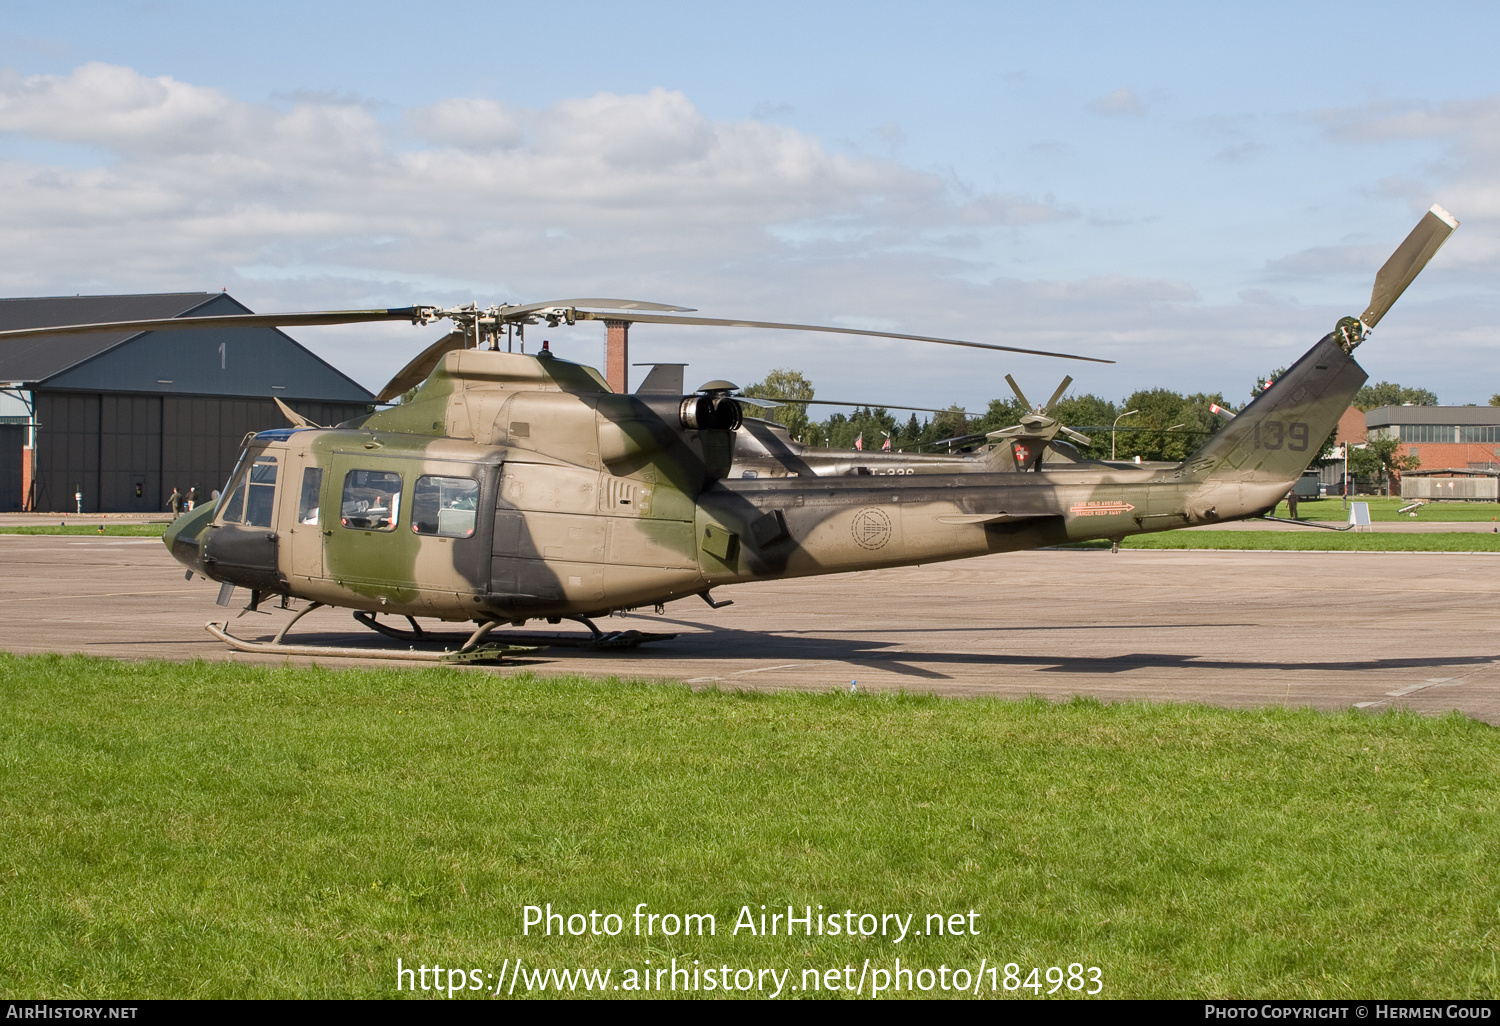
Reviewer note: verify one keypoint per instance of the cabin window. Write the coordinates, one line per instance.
(372, 500)
(312, 486)
(444, 506)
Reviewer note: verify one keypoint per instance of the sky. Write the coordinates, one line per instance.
(1197, 191)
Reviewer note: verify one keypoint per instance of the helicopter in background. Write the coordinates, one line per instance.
(513, 487)
(765, 448)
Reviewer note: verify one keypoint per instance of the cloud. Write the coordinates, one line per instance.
(1476, 122)
(1122, 101)
(466, 124)
(993, 209)
(891, 134)
(112, 106)
(1239, 153)
(1321, 261)
(1461, 176)
(328, 201)
(461, 187)
(1265, 297)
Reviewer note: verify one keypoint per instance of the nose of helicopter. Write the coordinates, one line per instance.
(183, 535)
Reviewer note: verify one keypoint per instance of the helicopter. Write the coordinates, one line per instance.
(764, 448)
(511, 487)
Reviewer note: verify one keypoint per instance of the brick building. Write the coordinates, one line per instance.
(1458, 437)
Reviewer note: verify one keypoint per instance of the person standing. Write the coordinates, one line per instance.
(192, 498)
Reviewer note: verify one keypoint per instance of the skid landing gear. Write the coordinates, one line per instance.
(473, 650)
(597, 639)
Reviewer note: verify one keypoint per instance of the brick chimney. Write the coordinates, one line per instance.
(617, 355)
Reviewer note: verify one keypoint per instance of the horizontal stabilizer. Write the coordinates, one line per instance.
(989, 518)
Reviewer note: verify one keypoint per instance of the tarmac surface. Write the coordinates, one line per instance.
(1328, 630)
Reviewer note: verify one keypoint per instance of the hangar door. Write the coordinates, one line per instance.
(12, 438)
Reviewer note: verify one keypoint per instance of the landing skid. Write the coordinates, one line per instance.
(479, 654)
(473, 650)
(598, 639)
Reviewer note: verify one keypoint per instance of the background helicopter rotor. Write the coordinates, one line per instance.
(1038, 424)
(767, 401)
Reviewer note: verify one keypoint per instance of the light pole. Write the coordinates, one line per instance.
(1113, 427)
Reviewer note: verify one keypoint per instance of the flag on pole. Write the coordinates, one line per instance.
(887, 446)
(859, 443)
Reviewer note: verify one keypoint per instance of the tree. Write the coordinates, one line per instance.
(783, 383)
(1377, 458)
(1260, 383)
(1495, 400)
(1388, 393)
(1001, 413)
(872, 424)
(951, 423)
(1092, 416)
(1169, 426)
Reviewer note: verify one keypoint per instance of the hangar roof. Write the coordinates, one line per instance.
(257, 362)
(1461, 415)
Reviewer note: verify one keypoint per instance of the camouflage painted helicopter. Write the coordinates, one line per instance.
(513, 487)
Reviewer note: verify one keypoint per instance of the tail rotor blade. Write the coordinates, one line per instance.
(1407, 262)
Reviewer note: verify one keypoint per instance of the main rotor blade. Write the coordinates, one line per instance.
(955, 440)
(717, 322)
(606, 304)
(283, 320)
(415, 372)
(1407, 262)
(1066, 381)
(833, 402)
(1025, 403)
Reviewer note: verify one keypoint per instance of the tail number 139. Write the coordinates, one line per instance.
(1273, 434)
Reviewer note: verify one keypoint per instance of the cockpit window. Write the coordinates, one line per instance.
(260, 500)
(252, 495)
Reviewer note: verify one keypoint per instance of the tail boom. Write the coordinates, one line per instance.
(1256, 458)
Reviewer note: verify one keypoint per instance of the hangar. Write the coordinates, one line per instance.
(114, 422)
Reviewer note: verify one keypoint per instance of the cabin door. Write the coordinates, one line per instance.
(301, 513)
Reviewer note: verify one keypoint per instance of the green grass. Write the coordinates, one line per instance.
(1311, 539)
(1382, 508)
(213, 830)
(116, 530)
